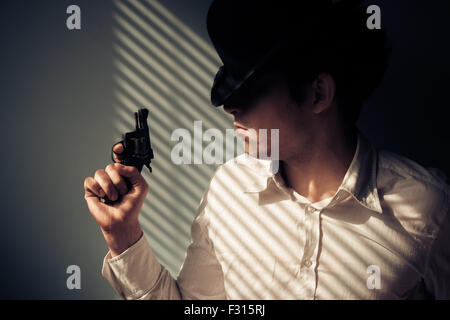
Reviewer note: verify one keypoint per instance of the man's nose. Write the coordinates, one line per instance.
(231, 109)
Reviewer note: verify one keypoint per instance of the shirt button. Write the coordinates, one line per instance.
(308, 263)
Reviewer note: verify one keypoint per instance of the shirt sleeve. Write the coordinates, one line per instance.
(137, 274)
(437, 274)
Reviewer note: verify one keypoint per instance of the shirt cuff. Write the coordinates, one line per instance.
(134, 272)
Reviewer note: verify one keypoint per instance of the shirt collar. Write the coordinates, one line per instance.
(359, 180)
(361, 177)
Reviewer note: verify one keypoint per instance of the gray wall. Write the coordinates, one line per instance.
(67, 96)
(62, 108)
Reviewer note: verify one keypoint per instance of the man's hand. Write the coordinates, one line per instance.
(118, 220)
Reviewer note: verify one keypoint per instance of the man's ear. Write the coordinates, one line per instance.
(324, 89)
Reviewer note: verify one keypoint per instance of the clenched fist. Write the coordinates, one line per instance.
(117, 219)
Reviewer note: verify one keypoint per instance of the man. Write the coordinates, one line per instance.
(339, 220)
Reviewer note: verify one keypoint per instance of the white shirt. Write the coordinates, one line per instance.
(385, 234)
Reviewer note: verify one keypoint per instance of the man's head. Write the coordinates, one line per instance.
(315, 80)
(273, 107)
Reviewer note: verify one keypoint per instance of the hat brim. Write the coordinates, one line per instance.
(225, 85)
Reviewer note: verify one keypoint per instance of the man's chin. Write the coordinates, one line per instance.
(261, 154)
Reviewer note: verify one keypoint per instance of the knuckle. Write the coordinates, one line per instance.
(145, 185)
(110, 167)
(134, 170)
(98, 173)
(87, 182)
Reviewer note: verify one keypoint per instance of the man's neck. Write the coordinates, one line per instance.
(320, 176)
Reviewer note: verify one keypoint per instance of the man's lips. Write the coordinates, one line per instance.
(239, 126)
(241, 130)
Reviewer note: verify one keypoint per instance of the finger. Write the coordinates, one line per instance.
(92, 188)
(106, 184)
(117, 179)
(134, 176)
(96, 208)
(93, 192)
(118, 149)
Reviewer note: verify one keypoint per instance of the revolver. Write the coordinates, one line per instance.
(137, 147)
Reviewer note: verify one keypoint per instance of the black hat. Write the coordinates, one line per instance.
(248, 33)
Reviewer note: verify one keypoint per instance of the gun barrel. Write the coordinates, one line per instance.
(142, 115)
(136, 120)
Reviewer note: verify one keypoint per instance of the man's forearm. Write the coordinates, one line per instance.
(120, 240)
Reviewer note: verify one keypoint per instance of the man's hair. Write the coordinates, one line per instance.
(342, 46)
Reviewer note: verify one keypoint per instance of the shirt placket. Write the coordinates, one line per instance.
(307, 275)
(309, 259)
